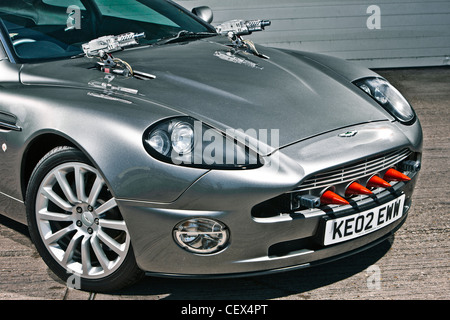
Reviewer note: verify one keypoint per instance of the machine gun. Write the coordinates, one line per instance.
(235, 29)
(103, 47)
(241, 27)
(109, 44)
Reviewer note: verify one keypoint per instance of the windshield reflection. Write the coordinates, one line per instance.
(38, 30)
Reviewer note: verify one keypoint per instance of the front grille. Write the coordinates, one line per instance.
(353, 172)
(337, 180)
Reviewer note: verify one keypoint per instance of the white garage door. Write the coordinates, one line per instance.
(377, 34)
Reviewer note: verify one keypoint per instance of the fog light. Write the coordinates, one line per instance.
(201, 235)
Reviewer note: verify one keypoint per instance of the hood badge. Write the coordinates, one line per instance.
(348, 134)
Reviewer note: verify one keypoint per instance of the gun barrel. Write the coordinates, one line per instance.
(265, 23)
(130, 36)
(257, 25)
(139, 35)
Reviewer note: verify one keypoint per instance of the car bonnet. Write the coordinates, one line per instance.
(204, 79)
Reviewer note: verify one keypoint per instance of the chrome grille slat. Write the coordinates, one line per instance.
(362, 168)
(353, 172)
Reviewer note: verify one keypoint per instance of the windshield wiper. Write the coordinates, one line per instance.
(185, 35)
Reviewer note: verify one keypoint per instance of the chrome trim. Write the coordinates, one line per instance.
(8, 196)
(8, 126)
(353, 172)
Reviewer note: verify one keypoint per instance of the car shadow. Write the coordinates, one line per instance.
(12, 225)
(264, 287)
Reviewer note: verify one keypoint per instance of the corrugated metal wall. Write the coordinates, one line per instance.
(411, 32)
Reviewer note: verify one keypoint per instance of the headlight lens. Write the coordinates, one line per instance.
(186, 141)
(388, 97)
(182, 138)
(159, 140)
(201, 235)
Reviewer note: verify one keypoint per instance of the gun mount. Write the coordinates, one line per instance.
(103, 48)
(235, 29)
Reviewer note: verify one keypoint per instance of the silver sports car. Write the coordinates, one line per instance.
(137, 138)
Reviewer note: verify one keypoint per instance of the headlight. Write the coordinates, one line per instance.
(388, 97)
(182, 138)
(159, 141)
(186, 141)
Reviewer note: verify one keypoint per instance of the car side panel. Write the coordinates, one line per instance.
(109, 132)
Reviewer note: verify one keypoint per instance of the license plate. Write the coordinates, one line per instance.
(359, 224)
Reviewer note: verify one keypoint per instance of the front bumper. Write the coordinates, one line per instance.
(255, 247)
(258, 244)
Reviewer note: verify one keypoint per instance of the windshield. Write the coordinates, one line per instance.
(53, 29)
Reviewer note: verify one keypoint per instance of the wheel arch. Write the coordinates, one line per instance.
(36, 149)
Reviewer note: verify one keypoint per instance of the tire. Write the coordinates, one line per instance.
(76, 226)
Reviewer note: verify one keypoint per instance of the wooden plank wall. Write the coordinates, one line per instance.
(411, 33)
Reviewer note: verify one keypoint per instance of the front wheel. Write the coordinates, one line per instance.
(76, 225)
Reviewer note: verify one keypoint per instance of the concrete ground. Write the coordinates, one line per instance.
(414, 264)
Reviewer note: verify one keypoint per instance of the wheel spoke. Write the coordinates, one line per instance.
(53, 197)
(65, 187)
(96, 188)
(53, 216)
(79, 184)
(86, 255)
(111, 243)
(58, 235)
(99, 253)
(108, 205)
(113, 224)
(68, 254)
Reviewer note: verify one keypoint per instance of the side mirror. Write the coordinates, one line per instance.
(204, 13)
